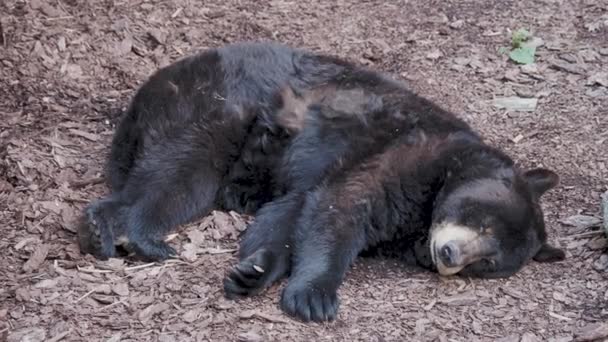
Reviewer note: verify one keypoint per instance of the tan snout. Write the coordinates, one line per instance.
(453, 247)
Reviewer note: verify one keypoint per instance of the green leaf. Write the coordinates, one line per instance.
(519, 37)
(523, 55)
(502, 50)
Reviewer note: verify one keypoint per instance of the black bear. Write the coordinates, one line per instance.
(334, 160)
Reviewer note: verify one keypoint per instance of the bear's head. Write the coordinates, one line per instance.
(491, 226)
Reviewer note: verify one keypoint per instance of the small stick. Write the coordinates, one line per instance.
(563, 318)
(84, 296)
(60, 18)
(110, 305)
(134, 268)
(583, 235)
(177, 12)
(86, 270)
(82, 183)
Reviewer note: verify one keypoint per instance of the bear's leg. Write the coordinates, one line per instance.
(265, 249)
(166, 188)
(123, 152)
(329, 236)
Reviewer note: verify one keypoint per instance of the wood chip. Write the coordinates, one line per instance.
(147, 313)
(121, 289)
(516, 103)
(517, 139)
(459, 299)
(592, 332)
(196, 237)
(46, 284)
(581, 222)
(430, 305)
(600, 78)
(509, 338)
(86, 135)
(60, 336)
(598, 244)
(248, 314)
(434, 55)
(37, 258)
(529, 337)
(124, 47)
(250, 337)
(30, 334)
(567, 67)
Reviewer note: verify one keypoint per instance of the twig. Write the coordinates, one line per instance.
(60, 18)
(583, 235)
(563, 318)
(177, 12)
(214, 251)
(138, 267)
(37, 225)
(84, 296)
(86, 270)
(85, 182)
(111, 305)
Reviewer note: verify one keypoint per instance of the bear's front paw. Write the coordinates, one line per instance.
(310, 302)
(151, 250)
(254, 273)
(94, 234)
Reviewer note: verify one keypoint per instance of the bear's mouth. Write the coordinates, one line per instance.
(453, 247)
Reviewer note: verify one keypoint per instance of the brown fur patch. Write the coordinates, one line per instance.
(335, 103)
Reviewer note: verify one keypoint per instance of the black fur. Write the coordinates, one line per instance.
(365, 164)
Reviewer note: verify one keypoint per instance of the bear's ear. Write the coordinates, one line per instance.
(540, 180)
(548, 253)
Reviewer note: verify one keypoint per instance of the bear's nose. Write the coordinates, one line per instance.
(448, 254)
